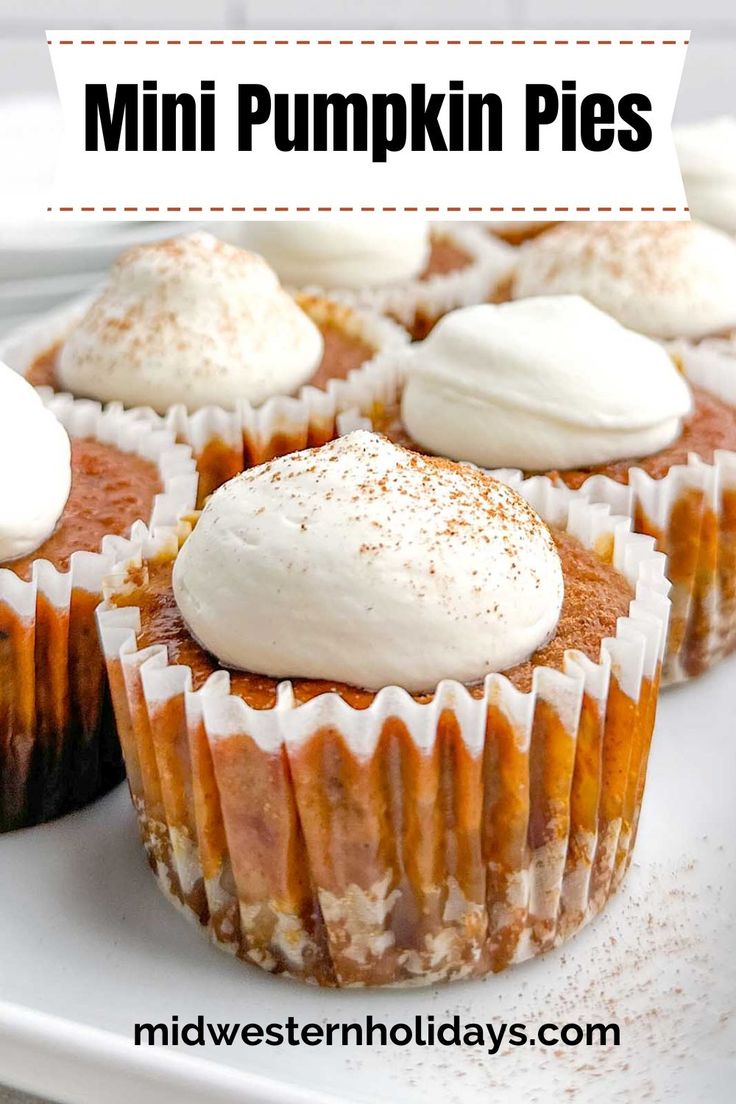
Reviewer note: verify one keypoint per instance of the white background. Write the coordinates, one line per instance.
(709, 84)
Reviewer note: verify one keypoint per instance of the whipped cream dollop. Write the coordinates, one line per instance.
(707, 153)
(539, 384)
(351, 253)
(190, 320)
(664, 279)
(35, 468)
(361, 562)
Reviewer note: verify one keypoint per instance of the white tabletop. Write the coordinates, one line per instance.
(12, 1096)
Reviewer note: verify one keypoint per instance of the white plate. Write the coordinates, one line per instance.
(89, 946)
(31, 297)
(20, 345)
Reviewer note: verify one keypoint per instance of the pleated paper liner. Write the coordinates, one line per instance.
(58, 742)
(418, 305)
(403, 843)
(691, 512)
(226, 441)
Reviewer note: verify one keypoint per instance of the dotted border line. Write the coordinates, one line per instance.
(369, 42)
(425, 210)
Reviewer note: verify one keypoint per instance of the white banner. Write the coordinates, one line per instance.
(454, 125)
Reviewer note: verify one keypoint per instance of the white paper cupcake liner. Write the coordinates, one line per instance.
(226, 442)
(403, 843)
(419, 304)
(691, 512)
(58, 747)
(223, 441)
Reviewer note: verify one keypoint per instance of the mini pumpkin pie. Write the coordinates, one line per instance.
(664, 279)
(554, 385)
(383, 725)
(202, 333)
(59, 500)
(406, 268)
(707, 154)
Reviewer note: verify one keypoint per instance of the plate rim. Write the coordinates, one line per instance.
(20, 344)
(55, 1037)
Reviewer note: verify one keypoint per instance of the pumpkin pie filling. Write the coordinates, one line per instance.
(343, 352)
(595, 597)
(445, 256)
(711, 426)
(110, 490)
